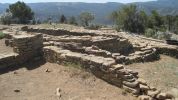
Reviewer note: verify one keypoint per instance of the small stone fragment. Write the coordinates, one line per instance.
(16, 90)
(15, 72)
(58, 92)
(47, 70)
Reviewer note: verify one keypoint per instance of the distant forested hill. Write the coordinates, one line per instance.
(100, 10)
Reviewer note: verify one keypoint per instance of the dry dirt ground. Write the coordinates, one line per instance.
(32, 82)
(162, 74)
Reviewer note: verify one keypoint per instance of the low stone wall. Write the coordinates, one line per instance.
(26, 47)
(8, 60)
(107, 44)
(111, 44)
(168, 50)
(56, 32)
(115, 45)
(108, 70)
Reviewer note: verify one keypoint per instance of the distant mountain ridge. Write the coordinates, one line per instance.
(100, 10)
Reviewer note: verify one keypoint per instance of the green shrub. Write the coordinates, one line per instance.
(2, 35)
(150, 33)
(6, 18)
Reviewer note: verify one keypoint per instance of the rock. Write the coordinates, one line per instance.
(120, 59)
(173, 92)
(46, 43)
(152, 88)
(47, 70)
(142, 81)
(15, 72)
(7, 42)
(129, 76)
(163, 96)
(114, 55)
(95, 47)
(143, 87)
(123, 72)
(130, 80)
(153, 93)
(144, 97)
(133, 72)
(134, 91)
(118, 67)
(17, 90)
(131, 84)
(58, 92)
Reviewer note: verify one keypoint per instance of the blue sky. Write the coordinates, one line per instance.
(100, 1)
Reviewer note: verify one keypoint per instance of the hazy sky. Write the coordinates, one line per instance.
(100, 1)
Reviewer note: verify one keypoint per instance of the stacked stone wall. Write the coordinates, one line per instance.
(26, 47)
(56, 32)
(108, 70)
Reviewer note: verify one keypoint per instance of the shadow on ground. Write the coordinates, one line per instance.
(31, 65)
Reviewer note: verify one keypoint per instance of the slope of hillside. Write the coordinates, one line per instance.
(100, 10)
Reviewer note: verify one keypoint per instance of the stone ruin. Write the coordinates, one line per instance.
(104, 55)
(25, 46)
(91, 42)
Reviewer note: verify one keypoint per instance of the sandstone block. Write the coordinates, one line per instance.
(143, 87)
(117, 67)
(134, 91)
(128, 76)
(131, 84)
(145, 97)
(153, 93)
(163, 96)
